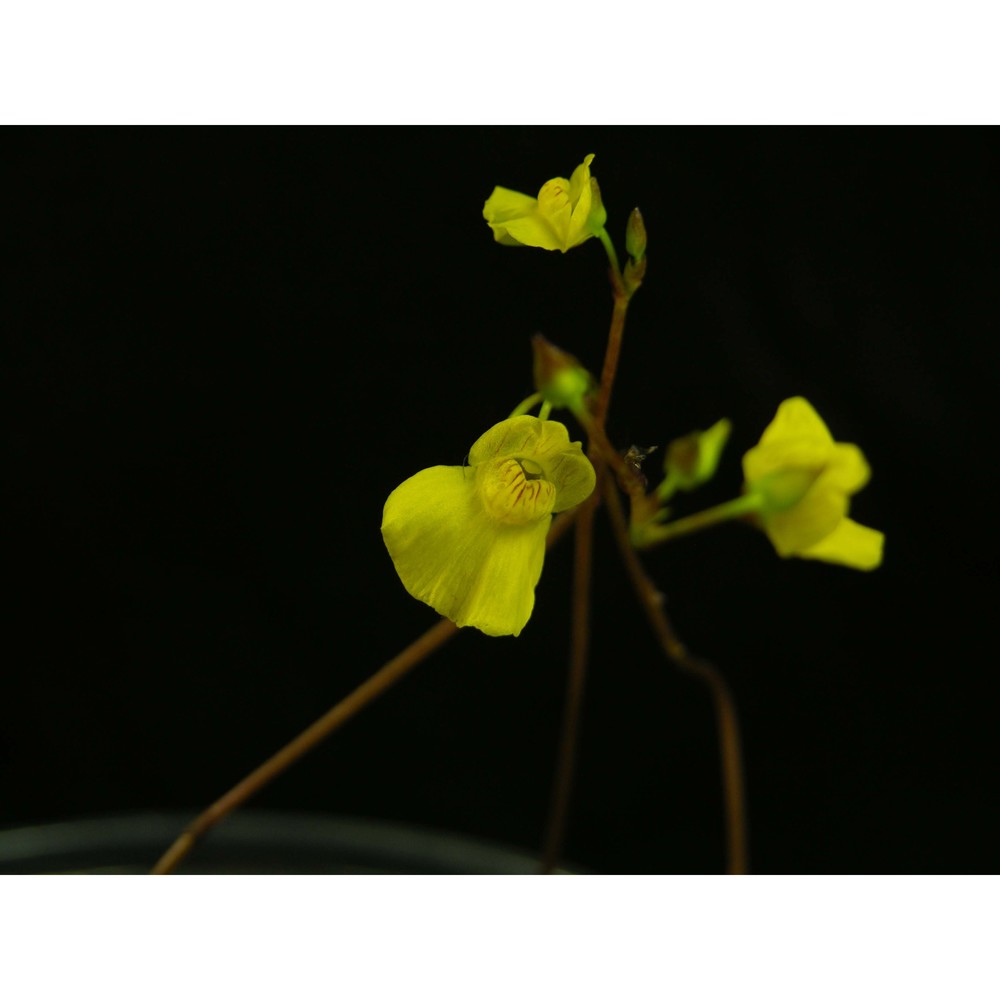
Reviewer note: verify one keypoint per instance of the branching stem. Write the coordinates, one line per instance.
(562, 786)
(730, 744)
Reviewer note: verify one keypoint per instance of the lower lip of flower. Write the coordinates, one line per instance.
(513, 491)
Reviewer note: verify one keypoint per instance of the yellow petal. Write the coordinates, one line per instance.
(598, 213)
(452, 555)
(547, 443)
(507, 210)
(556, 220)
(797, 420)
(778, 456)
(581, 196)
(556, 208)
(579, 182)
(849, 544)
(516, 436)
(846, 469)
(812, 519)
(509, 496)
(533, 230)
(501, 597)
(505, 204)
(796, 439)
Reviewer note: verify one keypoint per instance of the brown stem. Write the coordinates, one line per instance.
(562, 787)
(628, 479)
(730, 753)
(323, 727)
(307, 740)
(611, 356)
(575, 684)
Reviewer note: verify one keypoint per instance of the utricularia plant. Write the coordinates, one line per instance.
(470, 540)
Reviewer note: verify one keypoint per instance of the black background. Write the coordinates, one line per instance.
(228, 346)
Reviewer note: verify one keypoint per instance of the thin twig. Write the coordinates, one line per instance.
(611, 357)
(307, 740)
(562, 785)
(575, 684)
(730, 753)
(323, 727)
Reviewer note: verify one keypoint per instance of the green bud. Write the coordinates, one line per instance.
(559, 377)
(633, 274)
(635, 236)
(693, 459)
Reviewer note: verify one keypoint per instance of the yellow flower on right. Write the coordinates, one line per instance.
(803, 480)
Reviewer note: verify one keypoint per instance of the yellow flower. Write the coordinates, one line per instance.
(565, 213)
(470, 540)
(803, 479)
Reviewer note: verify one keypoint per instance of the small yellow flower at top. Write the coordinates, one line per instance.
(470, 540)
(565, 213)
(802, 480)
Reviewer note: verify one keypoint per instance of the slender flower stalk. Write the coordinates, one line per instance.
(325, 726)
(727, 719)
(648, 534)
(307, 740)
(580, 636)
(575, 685)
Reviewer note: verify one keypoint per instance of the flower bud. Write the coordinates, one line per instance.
(635, 236)
(692, 460)
(559, 377)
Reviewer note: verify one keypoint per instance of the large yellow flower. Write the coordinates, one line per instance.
(804, 479)
(470, 540)
(565, 213)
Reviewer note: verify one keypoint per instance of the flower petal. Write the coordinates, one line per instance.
(451, 555)
(796, 438)
(579, 182)
(796, 420)
(511, 438)
(547, 443)
(573, 476)
(763, 459)
(557, 220)
(581, 195)
(509, 496)
(849, 544)
(846, 469)
(555, 206)
(533, 230)
(814, 517)
(504, 204)
(502, 595)
(505, 209)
